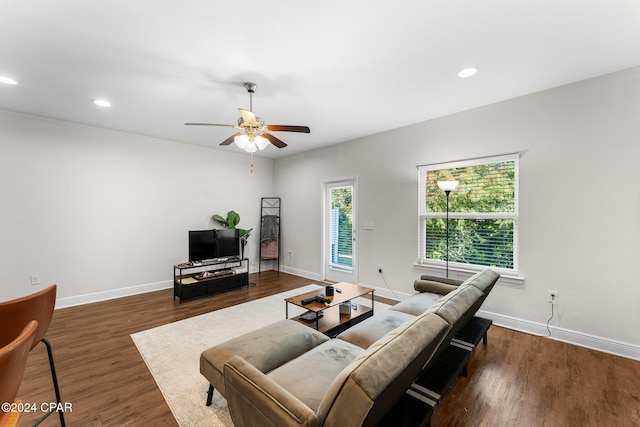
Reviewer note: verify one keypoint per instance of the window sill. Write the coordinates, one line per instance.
(506, 277)
(341, 268)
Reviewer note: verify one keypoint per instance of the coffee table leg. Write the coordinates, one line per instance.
(286, 310)
(372, 302)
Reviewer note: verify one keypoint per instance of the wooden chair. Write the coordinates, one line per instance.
(16, 313)
(13, 359)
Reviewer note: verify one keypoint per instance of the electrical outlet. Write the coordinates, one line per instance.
(35, 280)
(553, 297)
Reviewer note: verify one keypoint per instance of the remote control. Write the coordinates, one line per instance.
(308, 300)
(317, 298)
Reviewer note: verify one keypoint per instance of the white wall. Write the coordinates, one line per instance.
(105, 213)
(579, 204)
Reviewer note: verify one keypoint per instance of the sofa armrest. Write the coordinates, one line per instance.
(254, 399)
(433, 287)
(446, 280)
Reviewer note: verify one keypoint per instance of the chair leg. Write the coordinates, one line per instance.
(210, 395)
(55, 385)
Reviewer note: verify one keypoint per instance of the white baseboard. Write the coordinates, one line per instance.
(301, 273)
(151, 287)
(581, 339)
(112, 294)
(388, 293)
(271, 266)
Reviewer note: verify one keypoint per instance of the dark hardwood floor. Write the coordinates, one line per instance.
(515, 380)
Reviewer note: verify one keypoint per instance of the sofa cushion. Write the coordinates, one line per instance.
(265, 348)
(380, 376)
(434, 287)
(256, 400)
(456, 306)
(309, 376)
(483, 280)
(431, 292)
(371, 330)
(417, 304)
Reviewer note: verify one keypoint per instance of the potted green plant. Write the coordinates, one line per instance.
(230, 222)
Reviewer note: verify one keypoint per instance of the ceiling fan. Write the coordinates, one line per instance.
(254, 134)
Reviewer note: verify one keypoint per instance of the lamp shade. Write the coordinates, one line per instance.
(261, 142)
(251, 146)
(241, 141)
(447, 185)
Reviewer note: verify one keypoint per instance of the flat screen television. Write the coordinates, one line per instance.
(210, 244)
(228, 241)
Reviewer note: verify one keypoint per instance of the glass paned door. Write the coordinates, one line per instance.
(342, 227)
(340, 230)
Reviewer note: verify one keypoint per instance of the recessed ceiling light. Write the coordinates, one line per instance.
(101, 102)
(467, 72)
(7, 81)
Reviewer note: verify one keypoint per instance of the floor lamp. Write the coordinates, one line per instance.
(447, 187)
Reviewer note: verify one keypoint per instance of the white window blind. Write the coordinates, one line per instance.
(341, 234)
(483, 213)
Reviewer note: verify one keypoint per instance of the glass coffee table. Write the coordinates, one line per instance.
(338, 313)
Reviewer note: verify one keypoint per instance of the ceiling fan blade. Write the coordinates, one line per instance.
(248, 116)
(229, 140)
(288, 128)
(208, 124)
(275, 141)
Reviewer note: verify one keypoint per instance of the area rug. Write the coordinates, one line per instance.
(172, 353)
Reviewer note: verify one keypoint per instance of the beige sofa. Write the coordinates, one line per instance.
(288, 374)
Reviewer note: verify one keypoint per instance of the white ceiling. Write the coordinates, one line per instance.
(344, 68)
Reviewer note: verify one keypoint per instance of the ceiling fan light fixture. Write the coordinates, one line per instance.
(251, 146)
(261, 142)
(253, 134)
(241, 141)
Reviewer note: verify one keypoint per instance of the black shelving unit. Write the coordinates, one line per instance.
(220, 276)
(269, 231)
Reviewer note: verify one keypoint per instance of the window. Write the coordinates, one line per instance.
(483, 213)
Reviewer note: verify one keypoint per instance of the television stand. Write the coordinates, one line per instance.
(202, 278)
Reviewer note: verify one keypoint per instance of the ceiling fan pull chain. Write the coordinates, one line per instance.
(251, 168)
